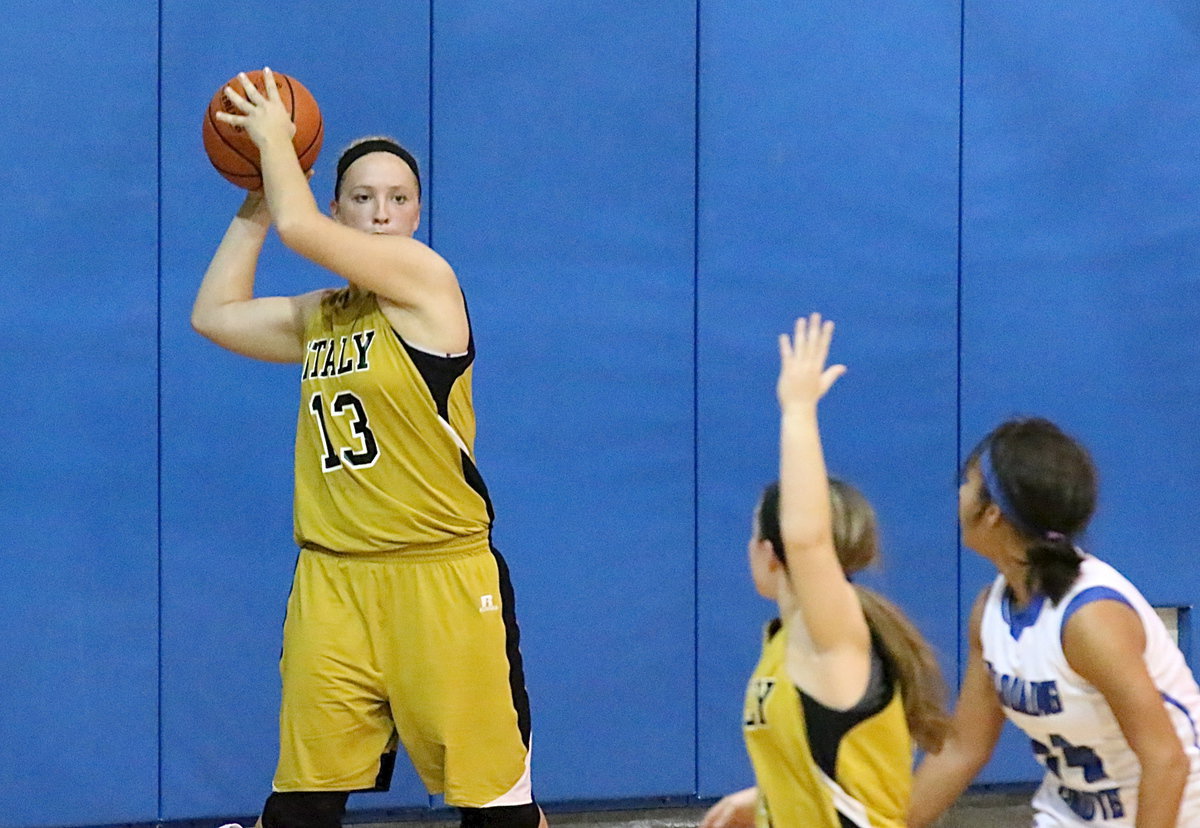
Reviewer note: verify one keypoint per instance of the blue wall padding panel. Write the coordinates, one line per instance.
(636, 205)
(228, 422)
(1079, 262)
(828, 174)
(80, 604)
(563, 146)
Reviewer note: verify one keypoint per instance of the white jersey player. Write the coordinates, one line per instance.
(1067, 649)
(1092, 776)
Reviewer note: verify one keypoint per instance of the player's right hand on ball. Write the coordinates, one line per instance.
(263, 115)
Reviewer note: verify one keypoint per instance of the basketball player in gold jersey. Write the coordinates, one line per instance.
(400, 625)
(845, 683)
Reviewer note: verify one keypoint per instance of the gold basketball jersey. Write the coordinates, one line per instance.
(867, 776)
(383, 451)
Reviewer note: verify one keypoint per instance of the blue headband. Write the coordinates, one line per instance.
(991, 482)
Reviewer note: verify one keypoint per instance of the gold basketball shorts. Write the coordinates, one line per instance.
(419, 646)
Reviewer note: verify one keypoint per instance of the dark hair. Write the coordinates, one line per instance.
(1044, 483)
(856, 541)
(368, 145)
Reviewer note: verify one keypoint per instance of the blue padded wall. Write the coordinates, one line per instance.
(228, 422)
(563, 187)
(80, 607)
(828, 180)
(636, 205)
(1079, 264)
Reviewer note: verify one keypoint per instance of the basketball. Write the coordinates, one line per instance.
(230, 149)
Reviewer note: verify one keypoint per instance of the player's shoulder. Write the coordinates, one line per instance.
(1099, 582)
(1092, 568)
(989, 596)
(1098, 579)
(978, 610)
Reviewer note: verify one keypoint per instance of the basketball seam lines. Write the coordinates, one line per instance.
(320, 120)
(258, 169)
(212, 120)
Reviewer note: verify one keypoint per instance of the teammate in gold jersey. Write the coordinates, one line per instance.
(392, 517)
(845, 683)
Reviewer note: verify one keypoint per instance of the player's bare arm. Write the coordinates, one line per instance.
(403, 271)
(226, 310)
(829, 654)
(1103, 642)
(978, 719)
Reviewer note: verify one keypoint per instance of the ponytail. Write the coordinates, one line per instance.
(909, 658)
(914, 668)
(1053, 565)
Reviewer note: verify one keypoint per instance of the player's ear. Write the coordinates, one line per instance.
(768, 552)
(992, 516)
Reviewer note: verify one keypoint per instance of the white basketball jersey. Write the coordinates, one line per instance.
(1091, 772)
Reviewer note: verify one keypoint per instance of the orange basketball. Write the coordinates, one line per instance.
(230, 149)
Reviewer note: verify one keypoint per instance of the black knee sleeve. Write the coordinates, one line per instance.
(317, 809)
(506, 816)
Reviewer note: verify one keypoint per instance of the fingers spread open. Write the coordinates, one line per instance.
(237, 100)
(269, 82)
(252, 92)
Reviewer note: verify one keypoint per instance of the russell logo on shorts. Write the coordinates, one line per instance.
(487, 603)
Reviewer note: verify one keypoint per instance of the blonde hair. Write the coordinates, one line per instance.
(909, 656)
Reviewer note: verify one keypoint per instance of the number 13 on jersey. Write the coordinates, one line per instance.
(345, 404)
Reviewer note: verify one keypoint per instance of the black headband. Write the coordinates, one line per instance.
(366, 148)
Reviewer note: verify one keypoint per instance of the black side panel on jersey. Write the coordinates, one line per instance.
(475, 481)
(440, 372)
(826, 727)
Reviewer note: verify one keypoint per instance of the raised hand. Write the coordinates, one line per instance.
(803, 375)
(264, 117)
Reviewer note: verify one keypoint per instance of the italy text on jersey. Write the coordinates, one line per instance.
(330, 358)
(755, 715)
